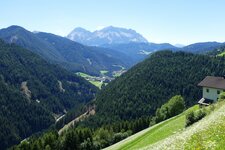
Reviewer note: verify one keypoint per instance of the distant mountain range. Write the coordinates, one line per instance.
(114, 47)
(201, 48)
(139, 51)
(133, 44)
(107, 35)
(68, 54)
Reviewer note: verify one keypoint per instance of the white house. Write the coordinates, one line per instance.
(211, 89)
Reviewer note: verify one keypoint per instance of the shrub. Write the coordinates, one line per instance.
(173, 107)
(222, 96)
(192, 117)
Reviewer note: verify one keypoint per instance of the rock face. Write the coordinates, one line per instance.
(25, 90)
(61, 89)
(108, 35)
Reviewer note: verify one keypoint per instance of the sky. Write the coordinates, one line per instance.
(160, 21)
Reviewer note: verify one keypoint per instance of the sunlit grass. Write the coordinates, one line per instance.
(86, 76)
(97, 83)
(83, 74)
(103, 72)
(208, 134)
(155, 133)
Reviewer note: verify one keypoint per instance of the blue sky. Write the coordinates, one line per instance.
(172, 21)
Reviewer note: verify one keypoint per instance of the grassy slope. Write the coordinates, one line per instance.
(153, 134)
(212, 138)
(208, 133)
(97, 84)
(221, 54)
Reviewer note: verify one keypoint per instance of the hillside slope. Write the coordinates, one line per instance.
(153, 134)
(201, 48)
(66, 53)
(148, 85)
(218, 51)
(80, 58)
(33, 92)
(207, 133)
(139, 51)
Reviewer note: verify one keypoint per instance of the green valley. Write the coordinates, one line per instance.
(103, 79)
(149, 84)
(96, 81)
(112, 75)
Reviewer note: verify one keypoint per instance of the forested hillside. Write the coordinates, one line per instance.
(217, 51)
(128, 103)
(201, 48)
(66, 53)
(33, 91)
(148, 85)
(80, 58)
(139, 51)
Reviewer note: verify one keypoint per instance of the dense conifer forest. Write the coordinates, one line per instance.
(33, 92)
(148, 85)
(143, 96)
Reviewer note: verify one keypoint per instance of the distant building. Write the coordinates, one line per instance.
(211, 89)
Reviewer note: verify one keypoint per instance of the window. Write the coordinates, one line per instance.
(218, 92)
(207, 90)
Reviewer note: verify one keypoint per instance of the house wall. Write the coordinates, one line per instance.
(212, 94)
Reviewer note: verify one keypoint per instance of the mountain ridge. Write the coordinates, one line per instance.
(68, 54)
(107, 35)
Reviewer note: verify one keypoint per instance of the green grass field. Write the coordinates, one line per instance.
(116, 75)
(158, 133)
(212, 136)
(206, 134)
(153, 134)
(103, 72)
(96, 83)
(221, 54)
(83, 74)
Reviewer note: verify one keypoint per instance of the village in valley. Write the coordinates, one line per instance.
(104, 78)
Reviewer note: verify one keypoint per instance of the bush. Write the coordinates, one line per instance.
(222, 96)
(192, 117)
(173, 107)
